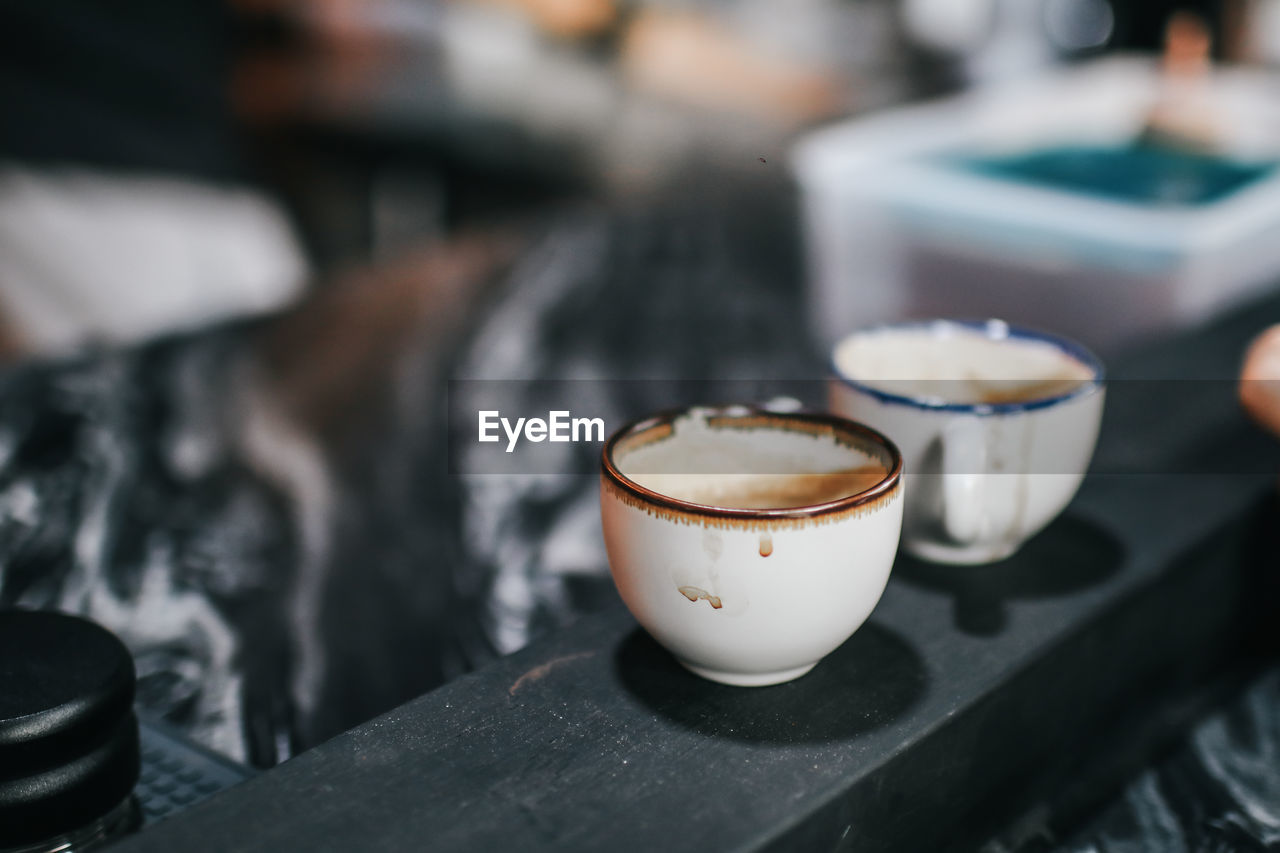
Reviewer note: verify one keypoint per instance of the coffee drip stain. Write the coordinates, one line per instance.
(543, 670)
(693, 593)
(766, 544)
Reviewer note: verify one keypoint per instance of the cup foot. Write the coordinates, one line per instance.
(748, 679)
(961, 555)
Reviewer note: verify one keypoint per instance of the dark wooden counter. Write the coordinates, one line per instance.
(969, 697)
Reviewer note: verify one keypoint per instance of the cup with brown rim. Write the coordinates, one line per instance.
(750, 543)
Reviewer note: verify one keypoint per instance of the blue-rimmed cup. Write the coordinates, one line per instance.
(996, 425)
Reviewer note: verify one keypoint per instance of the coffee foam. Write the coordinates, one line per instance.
(751, 468)
(957, 364)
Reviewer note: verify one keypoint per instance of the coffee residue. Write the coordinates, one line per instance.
(693, 593)
(996, 393)
(767, 491)
(766, 544)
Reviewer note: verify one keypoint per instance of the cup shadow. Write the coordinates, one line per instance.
(874, 678)
(1069, 556)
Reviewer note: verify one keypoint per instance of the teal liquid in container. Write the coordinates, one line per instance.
(1143, 173)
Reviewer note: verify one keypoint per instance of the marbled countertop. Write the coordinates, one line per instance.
(273, 517)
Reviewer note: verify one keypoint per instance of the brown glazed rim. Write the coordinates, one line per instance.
(836, 423)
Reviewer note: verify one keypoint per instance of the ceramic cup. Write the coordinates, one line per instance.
(750, 595)
(996, 424)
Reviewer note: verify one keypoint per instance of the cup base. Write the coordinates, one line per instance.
(748, 679)
(961, 555)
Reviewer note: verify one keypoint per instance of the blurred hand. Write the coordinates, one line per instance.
(1260, 380)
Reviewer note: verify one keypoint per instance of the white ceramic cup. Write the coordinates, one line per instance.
(996, 424)
(748, 596)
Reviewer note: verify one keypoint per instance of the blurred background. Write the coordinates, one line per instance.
(245, 244)
(169, 164)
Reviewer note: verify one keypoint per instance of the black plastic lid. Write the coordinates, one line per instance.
(68, 736)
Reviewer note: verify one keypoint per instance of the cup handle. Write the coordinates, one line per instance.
(980, 497)
(964, 462)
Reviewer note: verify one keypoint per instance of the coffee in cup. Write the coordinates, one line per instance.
(765, 491)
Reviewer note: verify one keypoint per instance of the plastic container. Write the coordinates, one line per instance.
(897, 229)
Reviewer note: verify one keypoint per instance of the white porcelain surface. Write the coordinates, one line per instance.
(980, 480)
(749, 598)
